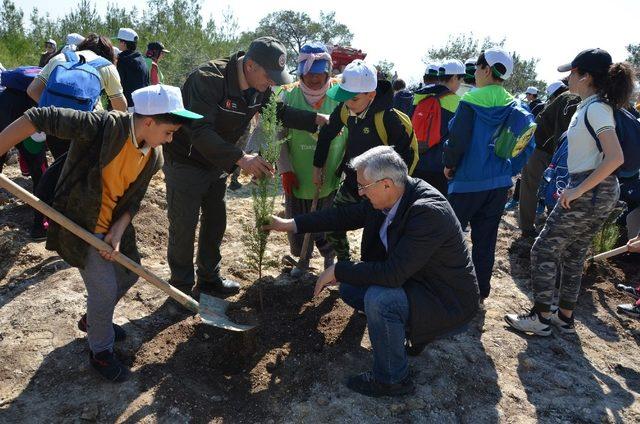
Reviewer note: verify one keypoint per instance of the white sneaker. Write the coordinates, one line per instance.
(531, 322)
(565, 325)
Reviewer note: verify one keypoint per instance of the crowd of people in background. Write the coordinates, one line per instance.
(416, 169)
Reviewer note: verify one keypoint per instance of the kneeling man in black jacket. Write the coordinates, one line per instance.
(416, 279)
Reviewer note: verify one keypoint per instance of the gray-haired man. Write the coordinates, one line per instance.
(416, 279)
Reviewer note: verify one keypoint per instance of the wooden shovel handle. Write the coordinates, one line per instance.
(303, 263)
(610, 253)
(49, 212)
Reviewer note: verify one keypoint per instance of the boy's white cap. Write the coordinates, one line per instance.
(496, 55)
(553, 87)
(74, 39)
(160, 99)
(127, 34)
(357, 77)
(451, 67)
(432, 69)
(531, 90)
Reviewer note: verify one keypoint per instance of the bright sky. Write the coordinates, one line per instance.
(553, 31)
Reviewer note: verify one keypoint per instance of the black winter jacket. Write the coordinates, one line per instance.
(133, 72)
(427, 256)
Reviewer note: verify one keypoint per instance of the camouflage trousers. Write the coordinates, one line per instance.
(338, 239)
(293, 207)
(565, 240)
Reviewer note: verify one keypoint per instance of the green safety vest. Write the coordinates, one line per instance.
(302, 147)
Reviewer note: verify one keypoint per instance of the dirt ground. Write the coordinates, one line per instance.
(292, 367)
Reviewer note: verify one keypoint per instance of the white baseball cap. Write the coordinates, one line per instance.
(553, 87)
(451, 67)
(531, 90)
(160, 99)
(127, 34)
(357, 77)
(74, 39)
(432, 70)
(495, 56)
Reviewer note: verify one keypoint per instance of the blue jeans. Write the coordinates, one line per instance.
(387, 313)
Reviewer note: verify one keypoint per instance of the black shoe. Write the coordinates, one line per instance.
(235, 185)
(222, 286)
(120, 334)
(38, 233)
(366, 385)
(414, 349)
(529, 234)
(109, 366)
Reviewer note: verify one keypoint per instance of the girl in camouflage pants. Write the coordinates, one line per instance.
(594, 155)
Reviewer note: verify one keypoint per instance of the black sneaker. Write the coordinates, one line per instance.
(633, 291)
(414, 349)
(366, 385)
(222, 286)
(562, 323)
(109, 366)
(633, 310)
(120, 334)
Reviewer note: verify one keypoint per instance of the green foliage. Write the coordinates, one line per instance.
(176, 23)
(385, 68)
(265, 190)
(295, 29)
(466, 46)
(607, 238)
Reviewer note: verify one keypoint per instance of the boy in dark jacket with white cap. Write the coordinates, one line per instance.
(132, 66)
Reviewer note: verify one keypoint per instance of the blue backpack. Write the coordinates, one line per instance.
(556, 177)
(513, 136)
(75, 84)
(628, 132)
(19, 78)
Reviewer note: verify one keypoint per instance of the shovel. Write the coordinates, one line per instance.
(212, 313)
(611, 253)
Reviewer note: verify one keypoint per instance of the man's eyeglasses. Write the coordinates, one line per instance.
(364, 187)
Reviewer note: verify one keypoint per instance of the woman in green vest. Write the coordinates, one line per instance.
(296, 155)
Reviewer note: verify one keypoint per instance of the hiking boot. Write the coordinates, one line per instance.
(109, 366)
(562, 323)
(633, 291)
(120, 334)
(511, 205)
(633, 310)
(366, 385)
(531, 322)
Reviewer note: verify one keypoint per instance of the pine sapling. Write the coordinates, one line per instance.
(264, 190)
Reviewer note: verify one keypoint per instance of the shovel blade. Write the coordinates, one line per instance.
(213, 312)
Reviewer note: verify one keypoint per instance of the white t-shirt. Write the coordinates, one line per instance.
(583, 151)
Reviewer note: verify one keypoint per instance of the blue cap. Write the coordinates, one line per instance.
(319, 66)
